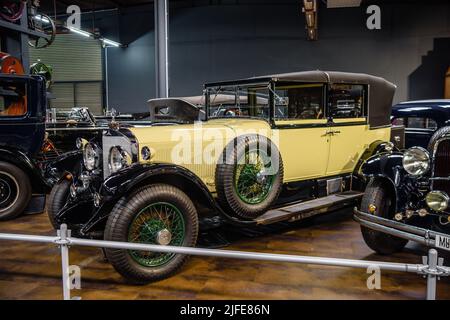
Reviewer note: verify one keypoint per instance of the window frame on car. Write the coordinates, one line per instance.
(275, 122)
(16, 82)
(237, 87)
(407, 118)
(365, 105)
(299, 85)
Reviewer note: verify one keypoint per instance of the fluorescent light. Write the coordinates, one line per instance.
(41, 18)
(111, 43)
(91, 35)
(81, 32)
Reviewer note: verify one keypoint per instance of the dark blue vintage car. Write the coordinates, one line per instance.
(421, 120)
(26, 175)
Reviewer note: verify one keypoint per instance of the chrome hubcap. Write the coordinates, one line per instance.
(261, 178)
(164, 237)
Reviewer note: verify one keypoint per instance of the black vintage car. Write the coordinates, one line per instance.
(407, 198)
(25, 171)
(424, 121)
(22, 133)
(65, 126)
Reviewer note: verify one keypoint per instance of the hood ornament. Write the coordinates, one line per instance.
(113, 125)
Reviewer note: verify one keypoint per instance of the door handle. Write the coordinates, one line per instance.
(332, 133)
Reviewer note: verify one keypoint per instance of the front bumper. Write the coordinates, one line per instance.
(423, 236)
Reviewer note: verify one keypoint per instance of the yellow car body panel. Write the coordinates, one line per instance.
(196, 147)
(303, 148)
(310, 149)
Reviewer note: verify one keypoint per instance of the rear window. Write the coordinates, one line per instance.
(416, 123)
(347, 101)
(13, 99)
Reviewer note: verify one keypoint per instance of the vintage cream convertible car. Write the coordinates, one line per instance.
(261, 150)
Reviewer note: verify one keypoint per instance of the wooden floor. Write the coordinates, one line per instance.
(32, 271)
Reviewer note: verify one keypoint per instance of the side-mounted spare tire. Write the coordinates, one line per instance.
(249, 177)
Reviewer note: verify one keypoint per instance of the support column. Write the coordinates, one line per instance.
(432, 278)
(63, 233)
(162, 48)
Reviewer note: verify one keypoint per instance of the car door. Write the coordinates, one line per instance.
(347, 113)
(301, 129)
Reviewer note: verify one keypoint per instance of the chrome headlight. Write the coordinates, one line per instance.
(118, 159)
(438, 201)
(90, 156)
(416, 161)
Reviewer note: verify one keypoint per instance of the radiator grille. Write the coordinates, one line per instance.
(442, 166)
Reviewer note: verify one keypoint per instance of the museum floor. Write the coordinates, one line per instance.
(32, 271)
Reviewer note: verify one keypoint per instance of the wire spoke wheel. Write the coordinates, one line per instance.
(253, 180)
(44, 24)
(156, 214)
(160, 224)
(250, 179)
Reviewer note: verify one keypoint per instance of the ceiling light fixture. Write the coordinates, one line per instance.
(106, 42)
(81, 32)
(111, 43)
(41, 18)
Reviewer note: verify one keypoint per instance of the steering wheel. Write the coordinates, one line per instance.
(232, 112)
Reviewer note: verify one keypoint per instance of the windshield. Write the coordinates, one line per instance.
(239, 101)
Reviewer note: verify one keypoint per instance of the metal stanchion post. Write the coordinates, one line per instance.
(432, 274)
(63, 234)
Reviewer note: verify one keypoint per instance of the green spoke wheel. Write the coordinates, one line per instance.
(253, 181)
(250, 179)
(158, 223)
(156, 214)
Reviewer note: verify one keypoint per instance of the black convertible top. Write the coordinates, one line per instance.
(381, 91)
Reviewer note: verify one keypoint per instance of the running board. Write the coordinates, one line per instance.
(308, 209)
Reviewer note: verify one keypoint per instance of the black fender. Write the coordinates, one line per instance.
(132, 177)
(68, 162)
(389, 168)
(138, 175)
(26, 163)
(375, 148)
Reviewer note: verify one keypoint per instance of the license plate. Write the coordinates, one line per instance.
(443, 242)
